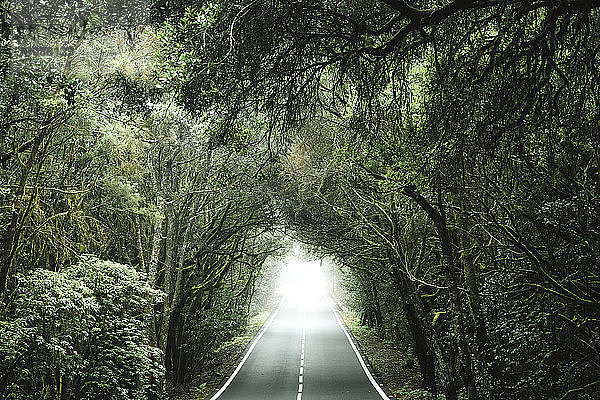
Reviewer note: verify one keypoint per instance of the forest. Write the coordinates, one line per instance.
(157, 156)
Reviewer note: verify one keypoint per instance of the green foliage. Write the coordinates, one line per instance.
(444, 154)
(96, 158)
(448, 164)
(418, 394)
(80, 333)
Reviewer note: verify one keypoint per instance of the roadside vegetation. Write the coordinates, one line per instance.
(157, 156)
(224, 358)
(393, 363)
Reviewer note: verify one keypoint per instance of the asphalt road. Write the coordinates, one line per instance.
(304, 354)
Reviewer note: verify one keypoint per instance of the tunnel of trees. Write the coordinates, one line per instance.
(155, 155)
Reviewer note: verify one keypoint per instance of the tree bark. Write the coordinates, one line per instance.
(12, 235)
(153, 267)
(465, 369)
(416, 325)
(140, 247)
(171, 240)
(172, 317)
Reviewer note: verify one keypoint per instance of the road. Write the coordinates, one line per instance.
(304, 354)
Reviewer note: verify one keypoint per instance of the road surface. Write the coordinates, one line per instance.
(304, 354)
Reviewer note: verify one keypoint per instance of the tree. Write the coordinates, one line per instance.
(114, 168)
(462, 110)
(79, 333)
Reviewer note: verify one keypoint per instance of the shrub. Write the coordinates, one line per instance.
(80, 334)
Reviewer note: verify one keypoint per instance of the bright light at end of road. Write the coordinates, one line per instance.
(303, 281)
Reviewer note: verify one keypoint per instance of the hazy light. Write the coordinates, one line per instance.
(303, 281)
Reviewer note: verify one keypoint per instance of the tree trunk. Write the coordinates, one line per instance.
(153, 267)
(416, 325)
(465, 367)
(156, 243)
(169, 262)
(11, 237)
(377, 306)
(172, 317)
(140, 248)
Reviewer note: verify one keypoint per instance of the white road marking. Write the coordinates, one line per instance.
(235, 372)
(301, 375)
(358, 356)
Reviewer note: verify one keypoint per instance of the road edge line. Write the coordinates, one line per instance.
(252, 345)
(359, 356)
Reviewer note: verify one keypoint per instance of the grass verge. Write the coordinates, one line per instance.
(394, 365)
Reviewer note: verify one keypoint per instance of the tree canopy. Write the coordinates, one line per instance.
(456, 156)
(443, 153)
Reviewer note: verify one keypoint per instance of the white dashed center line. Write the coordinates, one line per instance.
(301, 375)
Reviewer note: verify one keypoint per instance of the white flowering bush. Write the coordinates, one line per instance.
(80, 334)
